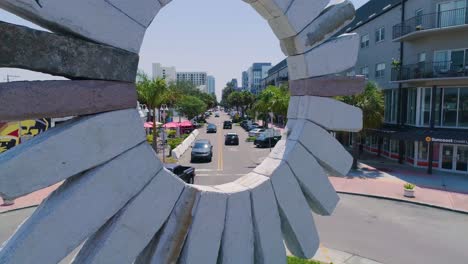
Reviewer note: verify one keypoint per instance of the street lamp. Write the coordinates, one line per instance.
(163, 111)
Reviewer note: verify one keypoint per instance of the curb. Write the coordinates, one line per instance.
(406, 201)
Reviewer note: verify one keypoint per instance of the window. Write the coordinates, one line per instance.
(409, 149)
(451, 13)
(418, 17)
(426, 96)
(449, 107)
(380, 34)
(463, 108)
(365, 41)
(380, 70)
(412, 104)
(391, 105)
(394, 146)
(365, 71)
(422, 150)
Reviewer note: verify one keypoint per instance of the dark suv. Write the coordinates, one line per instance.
(231, 139)
(227, 125)
(202, 150)
(211, 128)
(264, 141)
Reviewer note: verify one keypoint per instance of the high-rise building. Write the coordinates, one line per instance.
(211, 84)
(197, 78)
(256, 73)
(167, 73)
(245, 80)
(235, 83)
(277, 75)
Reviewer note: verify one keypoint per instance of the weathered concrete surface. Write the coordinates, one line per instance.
(94, 196)
(125, 235)
(204, 238)
(67, 150)
(333, 56)
(297, 223)
(143, 11)
(238, 237)
(64, 56)
(328, 86)
(323, 146)
(334, 18)
(328, 113)
(167, 245)
(270, 9)
(269, 247)
(96, 20)
(38, 99)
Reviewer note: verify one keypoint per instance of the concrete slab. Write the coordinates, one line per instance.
(238, 237)
(333, 56)
(143, 11)
(126, 234)
(64, 56)
(70, 98)
(269, 247)
(204, 238)
(297, 224)
(69, 149)
(96, 195)
(96, 20)
(328, 86)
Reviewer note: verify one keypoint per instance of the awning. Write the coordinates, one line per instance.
(438, 135)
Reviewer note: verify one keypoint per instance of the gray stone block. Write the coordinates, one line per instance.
(204, 238)
(126, 234)
(238, 240)
(143, 11)
(95, 20)
(67, 150)
(328, 86)
(54, 99)
(79, 207)
(269, 247)
(167, 245)
(333, 19)
(64, 56)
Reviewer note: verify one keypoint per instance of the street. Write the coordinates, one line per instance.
(229, 162)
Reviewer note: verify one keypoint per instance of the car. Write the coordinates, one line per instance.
(217, 114)
(252, 127)
(202, 150)
(211, 128)
(264, 141)
(256, 132)
(231, 139)
(185, 173)
(227, 125)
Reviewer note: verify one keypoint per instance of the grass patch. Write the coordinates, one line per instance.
(251, 139)
(294, 260)
(170, 160)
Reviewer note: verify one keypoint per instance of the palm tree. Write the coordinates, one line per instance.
(272, 99)
(371, 101)
(152, 92)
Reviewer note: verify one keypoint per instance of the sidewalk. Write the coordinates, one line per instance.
(328, 255)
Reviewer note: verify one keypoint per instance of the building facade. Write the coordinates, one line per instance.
(167, 73)
(245, 80)
(211, 84)
(277, 75)
(197, 78)
(255, 74)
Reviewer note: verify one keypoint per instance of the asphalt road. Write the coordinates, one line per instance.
(229, 162)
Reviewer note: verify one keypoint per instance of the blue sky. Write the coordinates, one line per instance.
(222, 37)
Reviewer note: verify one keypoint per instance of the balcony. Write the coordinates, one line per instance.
(433, 73)
(418, 26)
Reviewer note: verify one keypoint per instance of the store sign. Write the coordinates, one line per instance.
(447, 141)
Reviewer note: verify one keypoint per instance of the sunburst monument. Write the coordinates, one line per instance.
(117, 198)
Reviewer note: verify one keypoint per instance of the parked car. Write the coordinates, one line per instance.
(202, 150)
(252, 127)
(227, 125)
(211, 128)
(244, 124)
(231, 139)
(185, 173)
(217, 114)
(256, 132)
(264, 141)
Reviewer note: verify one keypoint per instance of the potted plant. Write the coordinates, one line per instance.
(419, 27)
(409, 190)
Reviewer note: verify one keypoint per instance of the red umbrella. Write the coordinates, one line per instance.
(186, 123)
(148, 124)
(171, 125)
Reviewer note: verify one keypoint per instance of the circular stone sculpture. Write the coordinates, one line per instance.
(117, 200)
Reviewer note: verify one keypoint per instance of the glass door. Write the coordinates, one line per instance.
(457, 61)
(447, 157)
(462, 158)
(452, 13)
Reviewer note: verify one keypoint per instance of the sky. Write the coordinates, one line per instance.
(221, 37)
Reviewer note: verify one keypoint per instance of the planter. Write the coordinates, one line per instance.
(409, 193)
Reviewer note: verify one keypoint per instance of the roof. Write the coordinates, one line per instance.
(281, 65)
(370, 11)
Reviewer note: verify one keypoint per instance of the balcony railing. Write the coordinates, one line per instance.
(450, 18)
(430, 70)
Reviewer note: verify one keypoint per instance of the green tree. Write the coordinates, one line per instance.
(247, 101)
(225, 94)
(152, 92)
(191, 106)
(371, 101)
(272, 99)
(235, 100)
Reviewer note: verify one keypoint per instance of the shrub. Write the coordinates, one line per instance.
(251, 139)
(171, 133)
(174, 142)
(294, 260)
(149, 138)
(409, 186)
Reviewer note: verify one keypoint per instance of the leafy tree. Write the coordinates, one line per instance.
(191, 106)
(247, 101)
(235, 99)
(225, 94)
(272, 99)
(371, 101)
(152, 92)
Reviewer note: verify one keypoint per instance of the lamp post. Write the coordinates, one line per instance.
(163, 111)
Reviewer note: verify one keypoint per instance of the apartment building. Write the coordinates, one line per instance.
(197, 78)
(277, 75)
(211, 84)
(167, 73)
(254, 76)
